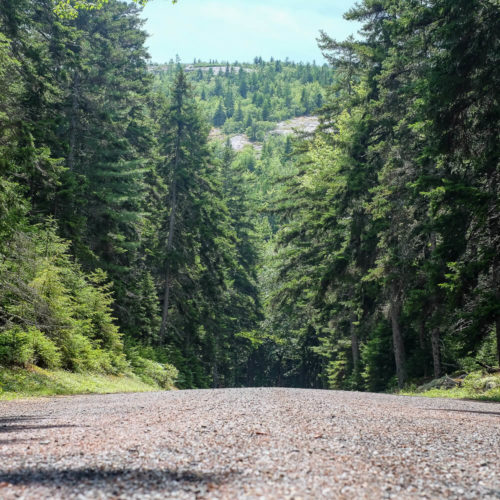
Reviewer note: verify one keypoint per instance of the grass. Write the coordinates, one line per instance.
(475, 386)
(35, 382)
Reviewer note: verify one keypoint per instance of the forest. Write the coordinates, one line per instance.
(136, 238)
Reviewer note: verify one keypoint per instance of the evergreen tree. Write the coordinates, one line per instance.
(196, 240)
(239, 113)
(219, 116)
(218, 88)
(229, 103)
(109, 142)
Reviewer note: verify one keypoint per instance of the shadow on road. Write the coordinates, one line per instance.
(20, 428)
(20, 418)
(112, 481)
(27, 423)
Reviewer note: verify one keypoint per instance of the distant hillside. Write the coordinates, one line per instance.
(301, 124)
(251, 99)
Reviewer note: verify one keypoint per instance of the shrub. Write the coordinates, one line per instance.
(23, 347)
(149, 370)
(42, 285)
(154, 373)
(485, 354)
(476, 382)
(378, 360)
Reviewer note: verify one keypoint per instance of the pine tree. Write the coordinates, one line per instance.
(239, 113)
(229, 103)
(109, 142)
(218, 88)
(219, 116)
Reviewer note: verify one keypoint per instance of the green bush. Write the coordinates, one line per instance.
(378, 360)
(15, 348)
(477, 382)
(42, 285)
(485, 354)
(82, 355)
(336, 371)
(151, 372)
(143, 361)
(23, 347)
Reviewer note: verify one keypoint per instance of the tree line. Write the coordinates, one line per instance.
(118, 247)
(251, 98)
(387, 259)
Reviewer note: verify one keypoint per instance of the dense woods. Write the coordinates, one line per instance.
(362, 256)
(251, 98)
(389, 254)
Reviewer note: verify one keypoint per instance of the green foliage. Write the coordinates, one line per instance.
(475, 385)
(151, 371)
(164, 375)
(388, 240)
(336, 372)
(377, 360)
(485, 353)
(68, 9)
(52, 312)
(219, 116)
(361, 257)
(23, 348)
(249, 98)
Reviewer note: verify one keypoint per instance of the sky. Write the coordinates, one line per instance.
(239, 30)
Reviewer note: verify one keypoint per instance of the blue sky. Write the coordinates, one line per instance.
(242, 29)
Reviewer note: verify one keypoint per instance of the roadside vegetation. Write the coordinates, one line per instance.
(475, 385)
(36, 382)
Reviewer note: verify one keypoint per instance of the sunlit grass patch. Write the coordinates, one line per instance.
(476, 386)
(35, 382)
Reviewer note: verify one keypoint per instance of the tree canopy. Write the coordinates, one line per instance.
(70, 8)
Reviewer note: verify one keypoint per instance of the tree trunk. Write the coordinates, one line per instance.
(397, 338)
(498, 338)
(215, 360)
(496, 284)
(421, 341)
(215, 375)
(280, 358)
(354, 346)
(435, 334)
(494, 242)
(436, 352)
(168, 275)
(421, 335)
(166, 303)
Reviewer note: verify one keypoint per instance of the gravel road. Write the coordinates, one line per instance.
(249, 443)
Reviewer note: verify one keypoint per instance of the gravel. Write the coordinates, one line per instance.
(249, 444)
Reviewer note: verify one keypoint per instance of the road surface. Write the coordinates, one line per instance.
(249, 444)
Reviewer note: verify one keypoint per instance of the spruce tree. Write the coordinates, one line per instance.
(219, 116)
